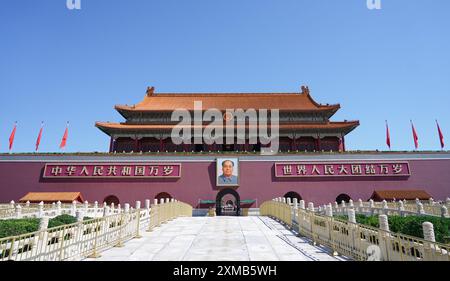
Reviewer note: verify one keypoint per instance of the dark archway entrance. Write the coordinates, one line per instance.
(292, 195)
(232, 204)
(343, 197)
(111, 199)
(163, 195)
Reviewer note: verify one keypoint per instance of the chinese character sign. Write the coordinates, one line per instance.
(112, 170)
(374, 169)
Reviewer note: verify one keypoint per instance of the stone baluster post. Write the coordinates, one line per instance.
(105, 211)
(385, 207)
(311, 206)
(288, 201)
(40, 210)
(350, 203)
(58, 208)
(444, 211)
(18, 211)
(119, 209)
(155, 201)
(295, 208)
(73, 210)
(12, 204)
(401, 208)
(351, 215)
(360, 205)
(79, 215)
(447, 202)
(329, 210)
(95, 208)
(27, 204)
(420, 209)
(371, 206)
(428, 231)
(384, 223)
(138, 218)
(302, 204)
(112, 208)
(431, 201)
(104, 205)
(43, 235)
(43, 223)
(161, 201)
(428, 235)
(86, 207)
(167, 200)
(126, 208)
(384, 236)
(295, 203)
(343, 207)
(147, 206)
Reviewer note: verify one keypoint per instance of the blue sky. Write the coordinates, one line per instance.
(59, 65)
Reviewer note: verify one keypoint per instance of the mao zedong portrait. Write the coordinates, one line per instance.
(227, 177)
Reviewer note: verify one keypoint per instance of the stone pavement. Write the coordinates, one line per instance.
(251, 238)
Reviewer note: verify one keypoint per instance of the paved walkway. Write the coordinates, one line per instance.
(250, 238)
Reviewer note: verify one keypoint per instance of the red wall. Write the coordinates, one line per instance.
(257, 181)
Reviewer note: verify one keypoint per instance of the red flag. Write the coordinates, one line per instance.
(11, 137)
(441, 136)
(416, 138)
(38, 141)
(64, 139)
(388, 136)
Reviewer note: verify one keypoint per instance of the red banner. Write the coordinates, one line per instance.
(112, 170)
(342, 169)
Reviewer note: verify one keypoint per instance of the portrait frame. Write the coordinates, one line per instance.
(235, 173)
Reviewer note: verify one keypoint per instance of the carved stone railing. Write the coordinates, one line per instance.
(357, 241)
(88, 238)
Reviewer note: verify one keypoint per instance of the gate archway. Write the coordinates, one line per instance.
(343, 197)
(223, 193)
(163, 195)
(292, 195)
(111, 199)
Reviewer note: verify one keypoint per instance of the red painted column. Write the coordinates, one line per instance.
(111, 144)
(136, 145)
(318, 145)
(343, 143)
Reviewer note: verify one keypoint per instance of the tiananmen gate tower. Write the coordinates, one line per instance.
(143, 162)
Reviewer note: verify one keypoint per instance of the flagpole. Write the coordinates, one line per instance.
(412, 128)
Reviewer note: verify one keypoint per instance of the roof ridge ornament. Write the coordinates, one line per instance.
(150, 91)
(305, 90)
